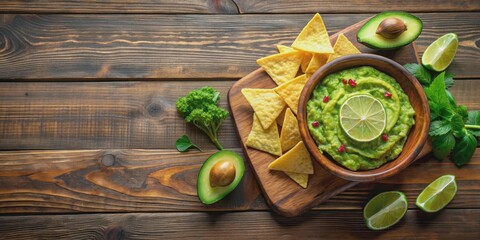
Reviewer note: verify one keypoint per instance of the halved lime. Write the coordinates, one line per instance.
(439, 54)
(385, 209)
(363, 118)
(437, 194)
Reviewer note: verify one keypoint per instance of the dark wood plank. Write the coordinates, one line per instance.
(120, 180)
(353, 6)
(229, 6)
(129, 114)
(181, 46)
(447, 224)
(119, 6)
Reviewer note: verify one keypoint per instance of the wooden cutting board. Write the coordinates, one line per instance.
(283, 194)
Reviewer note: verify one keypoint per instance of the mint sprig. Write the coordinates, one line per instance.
(453, 129)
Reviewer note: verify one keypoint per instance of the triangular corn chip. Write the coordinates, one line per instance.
(296, 160)
(314, 37)
(300, 178)
(342, 47)
(266, 103)
(290, 91)
(266, 140)
(305, 58)
(290, 134)
(317, 61)
(281, 67)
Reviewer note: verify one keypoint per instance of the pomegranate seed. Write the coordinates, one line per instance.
(326, 99)
(384, 137)
(315, 124)
(344, 81)
(388, 94)
(352, 83)
(341, 149)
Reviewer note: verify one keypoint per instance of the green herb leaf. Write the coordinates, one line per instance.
(464, 149)
(439, 127)
(462, 111)
(420, 72)
(457, 124)
(473, 123)
(443, 145)
(184, 143)
(449, 80)
(436, 91)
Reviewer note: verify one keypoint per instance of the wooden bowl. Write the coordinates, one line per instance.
(418, 133)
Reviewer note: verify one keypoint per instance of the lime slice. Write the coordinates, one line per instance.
(385, 209)
(437, 194)
(440, 53)
(363, 118)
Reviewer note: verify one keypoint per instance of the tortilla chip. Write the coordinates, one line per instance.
(266, 140)
(266, 103)
(318, 60)
(314, 37)
(300, 178)
(290, 134)
(305, 58)
(281, 116)
(281, 67)
(290, 91)
(342, 47)
(296, 160)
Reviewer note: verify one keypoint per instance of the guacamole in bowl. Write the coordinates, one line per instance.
(324, 124)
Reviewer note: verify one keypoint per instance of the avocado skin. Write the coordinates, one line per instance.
(205, 192)
(376, 43)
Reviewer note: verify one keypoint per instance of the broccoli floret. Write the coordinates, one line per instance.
(200, 107)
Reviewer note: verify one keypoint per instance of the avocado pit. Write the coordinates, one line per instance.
(222, 174)
(391, 27)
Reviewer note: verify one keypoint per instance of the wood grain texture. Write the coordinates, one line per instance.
(119, 6)
(121, 180)
(127, 114)
(229, 6)
(447, 224)
(111, 46)
(353, 6)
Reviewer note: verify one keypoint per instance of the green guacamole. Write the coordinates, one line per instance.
(328, 133)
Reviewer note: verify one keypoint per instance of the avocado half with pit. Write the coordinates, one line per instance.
(219, 175)
(390, 30)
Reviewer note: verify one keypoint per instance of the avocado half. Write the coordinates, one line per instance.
(367, 34)
(205, 191)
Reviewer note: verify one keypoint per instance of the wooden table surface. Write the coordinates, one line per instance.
(88, 120)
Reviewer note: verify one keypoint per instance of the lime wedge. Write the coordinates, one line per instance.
(439, 54)
(437, 194)
(385, 209)
(363, 118)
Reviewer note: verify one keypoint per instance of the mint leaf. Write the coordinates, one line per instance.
(473, 123)
(184, 143)
(443, 145)
(420, 72)
(436, 91)
(439, 127)
(462, 111)
(464, 149)
(448, 80)
(457, 123)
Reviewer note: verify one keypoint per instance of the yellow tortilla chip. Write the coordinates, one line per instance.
(305, 58)
(281, 67)
(296, 160)
(318, 60)
(266, 103)
(300, 178)
(281, 116)
(290, 91)
(314, 37)
(266, 140)
(342, 47)
(290, 135)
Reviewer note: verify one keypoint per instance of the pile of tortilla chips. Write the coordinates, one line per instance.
(310, 51)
